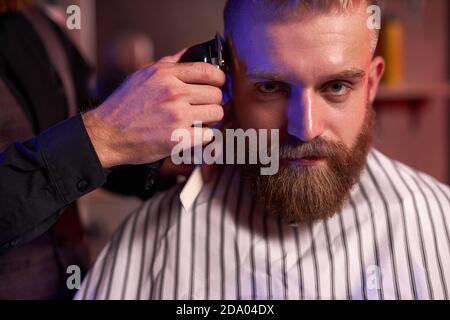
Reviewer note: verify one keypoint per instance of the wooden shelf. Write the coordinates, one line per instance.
(414, 98)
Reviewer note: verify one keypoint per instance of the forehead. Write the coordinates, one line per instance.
(304, 46)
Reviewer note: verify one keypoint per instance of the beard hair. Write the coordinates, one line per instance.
(303, 194)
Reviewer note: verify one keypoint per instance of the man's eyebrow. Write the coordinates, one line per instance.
(349, 74)
(269, 75)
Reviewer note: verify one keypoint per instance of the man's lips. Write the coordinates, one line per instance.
(305, 161)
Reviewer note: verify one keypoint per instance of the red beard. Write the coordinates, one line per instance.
(309, 193)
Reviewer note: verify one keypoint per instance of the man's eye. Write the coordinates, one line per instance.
(337, 88)
(270, 87)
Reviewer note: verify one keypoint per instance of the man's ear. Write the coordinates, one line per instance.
(377, 67)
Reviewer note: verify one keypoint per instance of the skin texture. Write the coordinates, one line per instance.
(314, 78)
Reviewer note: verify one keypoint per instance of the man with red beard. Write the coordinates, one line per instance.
(338, 221)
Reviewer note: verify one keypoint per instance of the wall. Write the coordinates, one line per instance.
(172, 24)
(423, 142)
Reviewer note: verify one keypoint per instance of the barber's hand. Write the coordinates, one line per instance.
(135, 124)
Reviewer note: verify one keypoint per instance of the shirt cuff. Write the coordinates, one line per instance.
(73, 165)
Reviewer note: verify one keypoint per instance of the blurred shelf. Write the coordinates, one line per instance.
(413, 98)
(408, 93)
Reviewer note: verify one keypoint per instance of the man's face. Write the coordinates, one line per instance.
(312, 77)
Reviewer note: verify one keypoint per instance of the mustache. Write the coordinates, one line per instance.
(317, 148)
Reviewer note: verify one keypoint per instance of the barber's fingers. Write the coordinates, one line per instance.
(192, 137)
(205, 113)
(200, 73)
(174, 58)
(203, 94)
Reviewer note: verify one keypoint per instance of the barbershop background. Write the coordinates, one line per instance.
(413, 105)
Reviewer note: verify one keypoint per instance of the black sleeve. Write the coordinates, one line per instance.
(141, 181)
(42, 176)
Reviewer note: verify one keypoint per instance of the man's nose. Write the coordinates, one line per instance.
(304, 117)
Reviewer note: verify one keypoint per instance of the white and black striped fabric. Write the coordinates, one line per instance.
(390, 241)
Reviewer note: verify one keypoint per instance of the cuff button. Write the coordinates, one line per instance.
(82, 185)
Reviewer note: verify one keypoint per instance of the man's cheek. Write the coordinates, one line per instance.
(249, 117)
(346, 124)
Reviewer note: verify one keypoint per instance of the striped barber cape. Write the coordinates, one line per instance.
(390, 241)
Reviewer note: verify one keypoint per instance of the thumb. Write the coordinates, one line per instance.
(174, 58)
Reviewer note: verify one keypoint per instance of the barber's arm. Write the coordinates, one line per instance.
(41, 177)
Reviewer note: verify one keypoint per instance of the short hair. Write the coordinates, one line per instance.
(276, 8)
